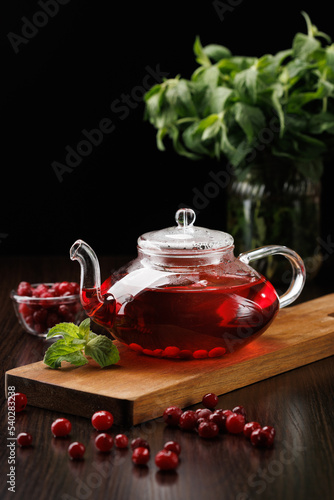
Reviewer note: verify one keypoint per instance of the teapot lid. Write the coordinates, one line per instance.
(184, 237)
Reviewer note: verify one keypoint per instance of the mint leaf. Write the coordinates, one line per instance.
(84, 328)
(102, 350)
(218, 99)
(62, 351)
(250, 118)
(77, 340)
(201, 56)
(304, 45)
(64, 329)
(216, 52)
(246, 83)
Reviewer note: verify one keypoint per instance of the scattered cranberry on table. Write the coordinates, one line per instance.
(104, 442)
(140, 455)
(269, 428)
(210, 400)
(203, 413)
(208, 429)
(172, 415)
(166, 460)
(139, 443)
(121, 441)
(20, 401)
(219, 418)
(209, 422)
(262, 438)
(249, 427)
(239, 409)
(173, 446)
(102, 420)
(24, 439)
(188, 420)
(76, 450)
(235, 423)
(61, 427)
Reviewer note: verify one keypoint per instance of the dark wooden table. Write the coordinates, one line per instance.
(300, 404)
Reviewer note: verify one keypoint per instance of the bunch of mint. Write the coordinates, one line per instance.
(229, 101)
(76, 343)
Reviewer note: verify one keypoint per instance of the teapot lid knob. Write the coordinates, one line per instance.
(185, 218)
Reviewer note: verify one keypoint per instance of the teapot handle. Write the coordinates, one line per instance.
(297, 264)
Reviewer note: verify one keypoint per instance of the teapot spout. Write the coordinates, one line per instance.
(90, 279)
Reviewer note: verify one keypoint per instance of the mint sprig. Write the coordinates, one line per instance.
(76, 342)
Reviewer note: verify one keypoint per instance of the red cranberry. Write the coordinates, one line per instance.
(227, 412)
(188, 420)
(166, 460)
(102, 420)
(76, 450)
(24, 289)
(47, 295)
(52, 319)
(219, 419)
(121, 441)
(208, 429)
(173, 446)
(64, 287)
(25, 310)
(200, 354)
(235, 423)
(39, 328)
(250, 427)
(139, 443)
(42, 288)
(200, 420)
(239, 409)
(140, 456)
(210, 400)
(29, 321)
(171, 352)
(172, 415)
(262, 438)
(270, 429)
(61, 427)
(24, 439)
(55, 288)
(40, 316)
(73, 288)
(64, 310)
(104, 442)
(203, 413)
(216, 352)
(20, 401)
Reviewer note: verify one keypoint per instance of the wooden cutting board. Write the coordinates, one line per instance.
(139, 387)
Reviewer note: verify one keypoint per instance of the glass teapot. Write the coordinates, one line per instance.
(186, 295)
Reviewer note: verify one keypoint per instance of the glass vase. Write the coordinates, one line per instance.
(264, 210)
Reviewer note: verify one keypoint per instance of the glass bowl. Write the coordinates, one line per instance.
(46, 306)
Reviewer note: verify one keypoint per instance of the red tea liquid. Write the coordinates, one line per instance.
(197, 320)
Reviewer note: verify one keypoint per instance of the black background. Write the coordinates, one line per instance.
(68, 77)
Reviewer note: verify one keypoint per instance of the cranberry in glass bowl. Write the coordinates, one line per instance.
(40, 306)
